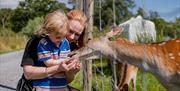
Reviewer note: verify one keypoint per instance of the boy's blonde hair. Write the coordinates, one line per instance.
(55, 22)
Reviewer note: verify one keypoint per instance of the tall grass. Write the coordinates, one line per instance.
(150, 82)
(10, 41)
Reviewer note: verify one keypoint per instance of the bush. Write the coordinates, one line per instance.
(32, 26)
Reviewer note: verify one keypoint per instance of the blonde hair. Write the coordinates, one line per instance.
(54, 22)
(81, 17)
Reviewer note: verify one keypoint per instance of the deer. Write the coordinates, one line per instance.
(161, 59)
(125, 73)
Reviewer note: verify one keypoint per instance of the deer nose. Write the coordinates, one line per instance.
(89, 39)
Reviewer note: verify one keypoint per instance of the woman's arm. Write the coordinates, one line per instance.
(34, 72)
(70, 76)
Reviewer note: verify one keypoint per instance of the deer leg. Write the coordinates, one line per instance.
(134, 74)
(129, 74)
(123, 85)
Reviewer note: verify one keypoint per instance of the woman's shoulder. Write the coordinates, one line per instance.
(36, 38)
(44, 41)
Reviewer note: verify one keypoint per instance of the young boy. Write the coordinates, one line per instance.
(53, 49)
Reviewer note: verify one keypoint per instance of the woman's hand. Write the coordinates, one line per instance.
(67, 65)
(70, 75)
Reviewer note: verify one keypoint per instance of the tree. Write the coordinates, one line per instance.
(33, 26)
(176, 27)
(122, 11)
(29, 9)
(173, 29)
(142, 12)
(154, 14)
(5, 15)
(164, 28)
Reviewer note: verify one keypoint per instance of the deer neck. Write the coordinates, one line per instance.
(135, 54)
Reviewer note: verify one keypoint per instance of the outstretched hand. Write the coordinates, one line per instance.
(69, 64)
(66, 65)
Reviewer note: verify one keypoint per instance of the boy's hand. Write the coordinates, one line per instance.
(66, 65)
(77, 66)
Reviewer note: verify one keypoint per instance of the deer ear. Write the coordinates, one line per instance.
(114, 31)
(117, 30)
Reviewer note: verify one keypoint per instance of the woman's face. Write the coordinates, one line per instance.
(75, 30)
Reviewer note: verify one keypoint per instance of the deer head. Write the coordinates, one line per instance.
(94, 49)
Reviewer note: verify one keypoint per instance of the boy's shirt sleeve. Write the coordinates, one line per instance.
(44, 53)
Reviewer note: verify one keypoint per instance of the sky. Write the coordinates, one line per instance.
(167, 9)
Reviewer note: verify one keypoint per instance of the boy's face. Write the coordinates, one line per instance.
(75, 30)
(57, 36)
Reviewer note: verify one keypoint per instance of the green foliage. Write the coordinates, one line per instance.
(32, 26)
(177, 27)
(29, 9)
(160, 25)
(5, 15)
(154, 14)
(97, 33)
(142, 12)
(19, 19)
(122, 11)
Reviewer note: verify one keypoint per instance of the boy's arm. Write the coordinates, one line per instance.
(70, 76)
(51, 62)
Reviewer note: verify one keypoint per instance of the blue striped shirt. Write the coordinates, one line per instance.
(48, 50)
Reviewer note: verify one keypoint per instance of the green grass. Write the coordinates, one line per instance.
(149, 83)
(10, 41)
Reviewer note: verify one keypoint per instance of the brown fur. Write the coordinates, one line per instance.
(125, 73)
(161, 59)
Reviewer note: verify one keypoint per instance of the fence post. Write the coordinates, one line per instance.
(87, 6)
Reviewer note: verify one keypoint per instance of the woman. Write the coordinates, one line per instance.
(77, 23)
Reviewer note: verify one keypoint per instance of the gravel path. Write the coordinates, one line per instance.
(10, 70)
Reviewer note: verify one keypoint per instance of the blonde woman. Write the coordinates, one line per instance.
(33, 72)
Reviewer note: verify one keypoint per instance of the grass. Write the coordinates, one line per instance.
(145, 81)
(10, 41)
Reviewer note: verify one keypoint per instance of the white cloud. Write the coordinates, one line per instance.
(9, 3)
